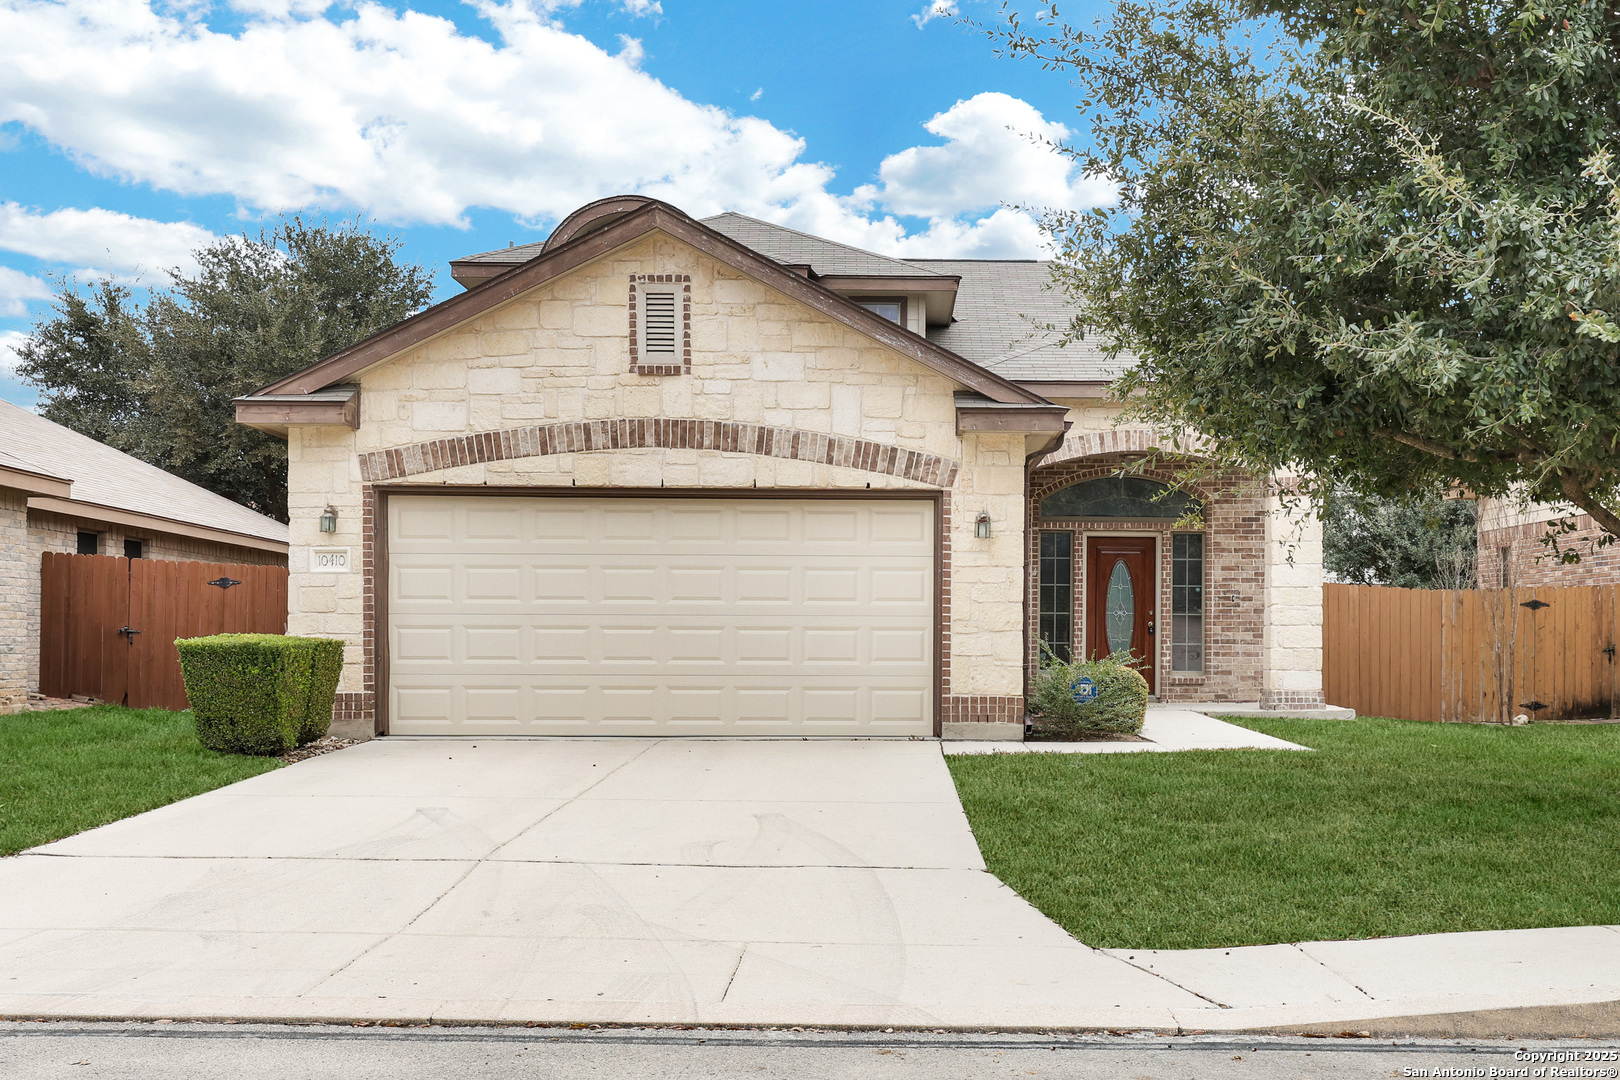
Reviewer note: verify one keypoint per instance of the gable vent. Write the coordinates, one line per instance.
(658, 324)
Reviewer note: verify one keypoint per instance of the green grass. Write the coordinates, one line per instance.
(1391, 827)
(64, 772)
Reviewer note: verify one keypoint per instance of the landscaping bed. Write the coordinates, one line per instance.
(1392, 827)
(62, 772)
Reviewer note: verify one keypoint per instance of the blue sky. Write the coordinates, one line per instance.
(132, 131)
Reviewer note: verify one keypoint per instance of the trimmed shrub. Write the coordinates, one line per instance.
(260, 693)
(1118, 709)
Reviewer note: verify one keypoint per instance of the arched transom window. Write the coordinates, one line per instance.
(1125, 497)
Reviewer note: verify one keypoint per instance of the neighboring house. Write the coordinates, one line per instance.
(62, 491)
(1512, 551)
(665, 476)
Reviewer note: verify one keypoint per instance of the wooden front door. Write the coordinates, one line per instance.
(1121, 588)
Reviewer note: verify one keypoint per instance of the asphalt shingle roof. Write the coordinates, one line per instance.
(1003, 306)
(111, 478)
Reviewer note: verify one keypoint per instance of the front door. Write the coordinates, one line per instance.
(1119, 599)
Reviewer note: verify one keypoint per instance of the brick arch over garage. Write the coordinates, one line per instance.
(577, 437)
(1118, 441)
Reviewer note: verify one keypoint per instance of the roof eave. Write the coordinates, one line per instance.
(590, 246)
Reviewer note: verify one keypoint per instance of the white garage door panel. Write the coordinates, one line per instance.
(660, 616)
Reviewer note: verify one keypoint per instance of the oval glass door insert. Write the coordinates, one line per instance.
(1121, 608)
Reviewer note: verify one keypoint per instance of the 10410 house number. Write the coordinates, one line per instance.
(329, 560)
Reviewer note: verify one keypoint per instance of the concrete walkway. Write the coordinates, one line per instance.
(810, 883)
(1163, 730)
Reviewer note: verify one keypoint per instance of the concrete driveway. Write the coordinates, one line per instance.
(596, 880)
(673, 881)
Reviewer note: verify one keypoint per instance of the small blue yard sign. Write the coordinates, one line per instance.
(1084, 690)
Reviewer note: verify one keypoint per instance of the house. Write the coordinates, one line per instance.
(1512, 551)
(63, 491)
(659, 475)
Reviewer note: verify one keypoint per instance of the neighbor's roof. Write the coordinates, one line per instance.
(104, 477)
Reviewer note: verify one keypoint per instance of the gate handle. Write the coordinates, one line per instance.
(127, 632)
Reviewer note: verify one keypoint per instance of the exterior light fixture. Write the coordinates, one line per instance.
(329, 520)
(981, 526)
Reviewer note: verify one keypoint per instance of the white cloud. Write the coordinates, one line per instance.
(399, 114)
(10, 342)
(17, 288)
(938, 9)
(998, 150)
(100, 241)
(638, 8)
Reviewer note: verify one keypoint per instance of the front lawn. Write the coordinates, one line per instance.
(1391, 827)
(64, 772)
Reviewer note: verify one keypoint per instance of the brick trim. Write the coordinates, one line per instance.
(981, 709)
(575, 437)
(1118, 441)
(685, 366)
(354, 706)
(1293, 699)
(364, 703)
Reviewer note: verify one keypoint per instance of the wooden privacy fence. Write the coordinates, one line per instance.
(1471, 654)
(107, 625)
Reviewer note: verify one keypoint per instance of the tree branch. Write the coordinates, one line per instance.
(1441, 450)
(1578, 493)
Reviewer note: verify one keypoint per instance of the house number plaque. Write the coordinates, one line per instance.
(329, 560)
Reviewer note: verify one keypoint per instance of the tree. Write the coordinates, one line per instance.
(1375, 241)
(1410, 544)
(158, 383)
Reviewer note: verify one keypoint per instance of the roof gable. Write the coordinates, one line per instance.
(589, 246)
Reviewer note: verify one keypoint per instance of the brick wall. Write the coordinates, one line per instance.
(1531, 563)
(1234, 576)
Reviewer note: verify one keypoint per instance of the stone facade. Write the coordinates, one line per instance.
(794, 400)
(19, 607)
(543, 392)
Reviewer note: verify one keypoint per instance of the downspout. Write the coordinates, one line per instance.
(1029, 470)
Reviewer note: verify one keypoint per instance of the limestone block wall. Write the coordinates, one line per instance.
(17, 604)
(1293, 607)
(819, 406)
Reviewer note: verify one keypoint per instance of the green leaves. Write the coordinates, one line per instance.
(157, 383)
(1394, 218)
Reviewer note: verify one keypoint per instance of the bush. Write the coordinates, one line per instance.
(1118, 709)
(260, 693)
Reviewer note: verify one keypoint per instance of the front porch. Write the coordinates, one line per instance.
(1196, 570)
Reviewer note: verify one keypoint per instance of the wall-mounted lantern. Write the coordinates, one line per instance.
(329, 520)
(981, 526)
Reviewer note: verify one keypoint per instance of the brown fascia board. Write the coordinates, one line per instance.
(469, 274)
(277, 412)
(34, 483)
(115, 516)
(1072, 389)
(862, 283)
(598, 242)
(999, 416)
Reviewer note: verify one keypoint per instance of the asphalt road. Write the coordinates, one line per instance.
(181, 1051)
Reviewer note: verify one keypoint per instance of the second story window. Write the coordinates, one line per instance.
(892, 309)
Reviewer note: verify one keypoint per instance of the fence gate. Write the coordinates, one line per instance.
(107, 625)
(1472, 654)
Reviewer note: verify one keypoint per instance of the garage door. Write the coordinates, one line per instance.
(630, 616)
